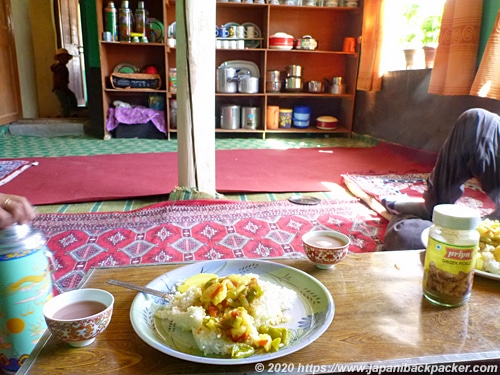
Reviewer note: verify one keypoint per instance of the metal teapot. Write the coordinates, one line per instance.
(25, 286)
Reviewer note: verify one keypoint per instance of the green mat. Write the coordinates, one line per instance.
(30, 146)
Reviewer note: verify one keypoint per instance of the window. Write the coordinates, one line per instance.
(409, 24)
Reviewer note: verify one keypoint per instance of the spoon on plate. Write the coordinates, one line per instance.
(154, 292)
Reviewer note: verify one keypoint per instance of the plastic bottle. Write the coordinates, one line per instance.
(450, 256)
(110, 23)
(125, 22)
(140, 18)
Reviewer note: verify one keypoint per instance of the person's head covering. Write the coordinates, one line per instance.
(63, 51)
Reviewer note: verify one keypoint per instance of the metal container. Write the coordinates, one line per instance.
(315, 86)
(273, 86)
(248, 85)
(227, 80)
(273, 75)
(230, 117)
(293, 84)
(294, 71)
(250, 117)
(25, 285)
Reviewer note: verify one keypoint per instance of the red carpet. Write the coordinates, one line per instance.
(199, 230)
(106, 177)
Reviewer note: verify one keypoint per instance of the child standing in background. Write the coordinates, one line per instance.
(66, 97)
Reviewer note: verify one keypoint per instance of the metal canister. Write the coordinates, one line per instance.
(25, 286)
(110, 21)
(250, 117)
(230, 117)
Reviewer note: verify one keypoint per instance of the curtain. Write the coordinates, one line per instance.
(370, 76)
(456, 54)
(487, 81)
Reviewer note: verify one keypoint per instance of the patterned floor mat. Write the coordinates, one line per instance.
(199, 230)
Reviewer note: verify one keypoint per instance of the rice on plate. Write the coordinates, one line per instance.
(234, 316)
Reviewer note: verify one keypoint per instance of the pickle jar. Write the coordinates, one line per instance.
(450, 255)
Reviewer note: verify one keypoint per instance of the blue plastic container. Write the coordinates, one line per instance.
(301, 116)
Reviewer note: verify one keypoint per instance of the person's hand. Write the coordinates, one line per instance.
(15, 209)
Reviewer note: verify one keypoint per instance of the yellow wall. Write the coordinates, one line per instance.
(44, 47)
(35, 39)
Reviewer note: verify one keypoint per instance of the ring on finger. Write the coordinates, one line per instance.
(7, 203)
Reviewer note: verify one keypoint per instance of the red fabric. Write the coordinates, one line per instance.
(106, 177)
(199, 230)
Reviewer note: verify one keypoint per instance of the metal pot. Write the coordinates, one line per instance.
(315, 86)
(294, 71)
(227, 80)
(248, 85)
(293, 84)
(273, 86)
(273, 75)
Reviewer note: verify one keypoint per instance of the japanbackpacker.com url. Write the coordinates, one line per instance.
(292, 368)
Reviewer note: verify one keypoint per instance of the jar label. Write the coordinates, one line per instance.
(448, 270)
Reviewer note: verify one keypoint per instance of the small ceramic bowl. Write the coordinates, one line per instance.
(325, 248)
(79, 316)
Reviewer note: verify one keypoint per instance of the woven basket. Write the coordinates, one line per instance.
(135, 81)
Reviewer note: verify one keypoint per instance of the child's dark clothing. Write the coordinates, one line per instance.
(66, 97)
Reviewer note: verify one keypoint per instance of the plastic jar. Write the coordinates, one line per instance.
(172, 80)
(450, 256)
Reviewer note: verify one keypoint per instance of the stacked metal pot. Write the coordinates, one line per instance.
(293, 80)
(273, 82)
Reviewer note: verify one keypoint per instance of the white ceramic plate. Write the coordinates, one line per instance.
(489, 275)
(311, 314)
(243, 64)
(258, 34)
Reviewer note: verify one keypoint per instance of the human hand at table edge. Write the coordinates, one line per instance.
(15, 209)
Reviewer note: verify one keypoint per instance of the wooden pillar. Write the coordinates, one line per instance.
(195, 55)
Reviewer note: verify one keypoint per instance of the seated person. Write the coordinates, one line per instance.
(471, 150)
(14, 209)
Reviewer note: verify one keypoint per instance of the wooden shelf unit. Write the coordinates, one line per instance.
(138, 54)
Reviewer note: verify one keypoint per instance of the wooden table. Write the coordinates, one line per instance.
(380, 318)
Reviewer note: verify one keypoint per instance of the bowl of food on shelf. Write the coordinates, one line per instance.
(327, 122)
(281, 40)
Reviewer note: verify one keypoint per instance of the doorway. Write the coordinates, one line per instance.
(69, 36)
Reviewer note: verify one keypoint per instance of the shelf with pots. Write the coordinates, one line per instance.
(321, 51)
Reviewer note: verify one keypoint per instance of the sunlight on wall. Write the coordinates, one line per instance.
(397, 29)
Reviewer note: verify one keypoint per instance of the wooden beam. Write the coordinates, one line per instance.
(195, 55)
